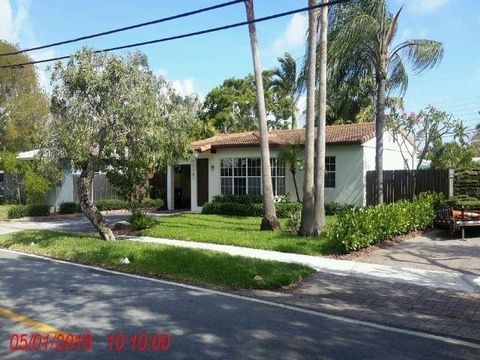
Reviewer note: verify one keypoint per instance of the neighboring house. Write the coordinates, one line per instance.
(67, 190)
(230, 164)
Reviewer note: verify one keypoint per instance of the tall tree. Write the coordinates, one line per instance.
(286, 84)
(269, 220)
(111, 113)
(23, 104)
(307, 223)
(362, 44)
(321, 125)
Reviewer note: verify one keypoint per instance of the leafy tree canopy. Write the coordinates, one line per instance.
(452, 155)
(232, 107)
(112, 113)
(23, 104)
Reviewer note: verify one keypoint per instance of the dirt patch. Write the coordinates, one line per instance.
(382, 245)
(128, 231)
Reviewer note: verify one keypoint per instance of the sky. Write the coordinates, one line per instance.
(198, 64)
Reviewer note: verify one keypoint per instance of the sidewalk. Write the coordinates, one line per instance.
(421, 277)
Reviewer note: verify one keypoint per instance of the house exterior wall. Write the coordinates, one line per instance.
(349, 187)
(62, 193)
(351, 164)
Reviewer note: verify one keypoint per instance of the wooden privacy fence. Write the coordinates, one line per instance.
(102, 189)
(399, 184)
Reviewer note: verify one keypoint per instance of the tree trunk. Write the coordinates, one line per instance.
(379, 127)
(321, 126)
(293, 170)
(294, 116)
(269, 221)
(88, 207)
(307, 224)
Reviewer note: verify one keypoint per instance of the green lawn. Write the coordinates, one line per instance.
(4, 211)
(198, 266)
(239, 231)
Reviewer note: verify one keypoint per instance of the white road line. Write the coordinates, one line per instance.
(444, 339)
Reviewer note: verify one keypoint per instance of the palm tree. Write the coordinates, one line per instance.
(361, 44)
(291, 156)
(269, 220)
(322, 122)
(285, 83)
(307, 222)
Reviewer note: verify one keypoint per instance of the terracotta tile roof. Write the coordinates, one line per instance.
(336, 134)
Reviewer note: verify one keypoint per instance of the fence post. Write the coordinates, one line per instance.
(451, 176)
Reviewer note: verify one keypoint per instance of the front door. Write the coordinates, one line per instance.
(202, 181)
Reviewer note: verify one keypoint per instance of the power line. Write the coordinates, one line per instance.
(182, 36)
(130, 27)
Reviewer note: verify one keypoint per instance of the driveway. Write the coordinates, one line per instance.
(436, 250)
(74, 224)
(37, 293)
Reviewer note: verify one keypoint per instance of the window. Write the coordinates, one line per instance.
(330, 171)
(278, 177)
(242, 176)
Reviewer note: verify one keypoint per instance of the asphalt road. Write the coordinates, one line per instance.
(202, 324)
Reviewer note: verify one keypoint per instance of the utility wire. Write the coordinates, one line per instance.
(195, 33)
(113, 31)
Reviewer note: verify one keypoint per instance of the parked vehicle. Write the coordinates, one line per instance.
(457, 218)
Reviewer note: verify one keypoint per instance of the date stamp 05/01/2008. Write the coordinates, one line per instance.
(84, 342)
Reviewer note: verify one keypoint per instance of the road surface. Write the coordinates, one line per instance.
(38, 294)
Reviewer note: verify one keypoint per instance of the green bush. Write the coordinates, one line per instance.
(139, 221)
(358, 228)
(148, 204)
(333, 208)
(112, 204)
(20, 211)
(69, 207)
(248, 205)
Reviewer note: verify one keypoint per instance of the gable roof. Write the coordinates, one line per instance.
(335, 134)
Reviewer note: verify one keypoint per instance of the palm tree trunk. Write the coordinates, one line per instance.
(293, 170)
(294, 116)
(308, 211)
(379, 127)
(269, 221)
(321, 127)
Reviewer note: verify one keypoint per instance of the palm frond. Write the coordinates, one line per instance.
(398, 77)
(420, 53)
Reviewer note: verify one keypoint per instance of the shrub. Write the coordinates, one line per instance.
(36, 186)
(464, 201)
(148, 204)
(20, 211)
(333, 208)
(69, 208)
(139, 221)
(359, 228)
(248, 205)
(112, 204)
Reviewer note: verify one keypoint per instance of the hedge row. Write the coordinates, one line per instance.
(251, 205)
(247, 205)
(113, 204)
(358, 228)
(20, 211)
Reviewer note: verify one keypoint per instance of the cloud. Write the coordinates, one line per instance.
(184, 87)
(425, 6)
(13, 23)
(293, 36)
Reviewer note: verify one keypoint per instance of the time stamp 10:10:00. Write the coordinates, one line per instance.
(84, 342)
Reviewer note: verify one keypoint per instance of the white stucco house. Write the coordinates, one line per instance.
(230, 164)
